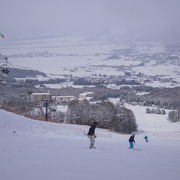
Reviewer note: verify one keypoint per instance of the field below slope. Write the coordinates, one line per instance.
(151, 63)
(43, 150)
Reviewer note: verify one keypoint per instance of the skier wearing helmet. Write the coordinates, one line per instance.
(91, 134)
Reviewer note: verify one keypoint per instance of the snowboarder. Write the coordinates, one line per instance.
(146, 138)
(91, 134)
(131, 142)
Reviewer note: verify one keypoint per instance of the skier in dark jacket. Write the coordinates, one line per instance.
(146, 138)
(91, 135)
(131, 142)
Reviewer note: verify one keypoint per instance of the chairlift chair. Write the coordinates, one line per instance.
(4, 71)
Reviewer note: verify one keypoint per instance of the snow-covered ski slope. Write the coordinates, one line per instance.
(154, 124)
(50, 151)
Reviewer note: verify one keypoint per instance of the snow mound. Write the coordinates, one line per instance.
(11, 122)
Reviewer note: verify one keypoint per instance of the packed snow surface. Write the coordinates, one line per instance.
(39, 150)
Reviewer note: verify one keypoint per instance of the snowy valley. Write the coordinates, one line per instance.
(54, 73)
(146, 63)
(90, 90)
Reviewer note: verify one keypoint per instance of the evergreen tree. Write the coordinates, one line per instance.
(105, 113)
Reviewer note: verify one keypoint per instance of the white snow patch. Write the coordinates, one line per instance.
(43, 150)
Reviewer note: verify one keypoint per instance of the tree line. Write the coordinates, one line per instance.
(106, 114)
(155, 111)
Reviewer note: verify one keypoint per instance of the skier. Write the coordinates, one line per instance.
(131, 142)
(91, 134)
(146, 138)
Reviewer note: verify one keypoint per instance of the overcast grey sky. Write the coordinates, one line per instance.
(124, 18)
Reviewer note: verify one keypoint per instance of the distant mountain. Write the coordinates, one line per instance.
(165, 36)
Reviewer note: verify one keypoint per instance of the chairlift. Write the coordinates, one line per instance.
(53, 110)
(4, 71)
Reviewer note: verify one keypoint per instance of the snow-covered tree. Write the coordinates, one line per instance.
(76, 111)
(105, 113)
(125, 121)
(174, 116)
(155, 111)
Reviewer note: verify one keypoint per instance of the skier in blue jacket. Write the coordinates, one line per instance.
(131, 142)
